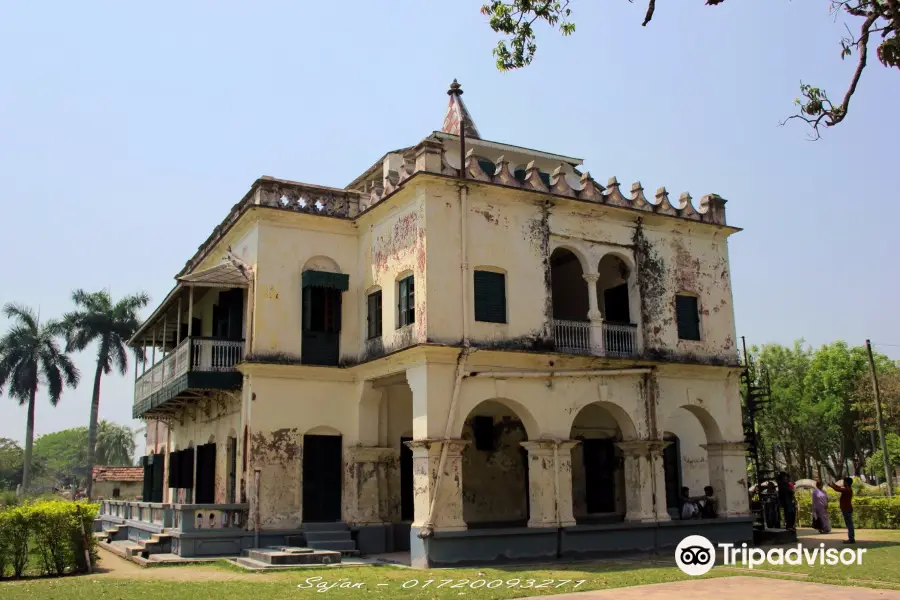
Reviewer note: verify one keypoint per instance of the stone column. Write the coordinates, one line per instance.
(728, 477)
(448, 511)
(365, 480)
(645, 481)
(550, 483)
(594, 315)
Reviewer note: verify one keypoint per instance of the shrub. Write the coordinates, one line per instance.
(55, 528)
(869, 512)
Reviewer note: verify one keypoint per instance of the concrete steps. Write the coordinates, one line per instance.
(288, 555)
(335, 537)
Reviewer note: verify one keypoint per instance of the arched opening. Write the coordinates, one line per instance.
(687, 466)
(495, 466)
(570, 302)
(615, 306)
(598, 476)
(323, 469)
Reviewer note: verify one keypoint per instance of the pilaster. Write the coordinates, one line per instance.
(550, 482)
(448, 511)
(366, 482)
(728, 477)
(645, 481)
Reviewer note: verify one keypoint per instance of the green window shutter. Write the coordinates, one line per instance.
(406, 303)
(490, 297)
(687, 315)
(374, 304)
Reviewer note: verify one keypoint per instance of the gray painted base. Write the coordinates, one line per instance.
(483, 546)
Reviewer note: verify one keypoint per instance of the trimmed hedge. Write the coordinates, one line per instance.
(46, 537)
(869, 512)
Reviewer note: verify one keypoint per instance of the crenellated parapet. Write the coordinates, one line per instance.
(431, 156)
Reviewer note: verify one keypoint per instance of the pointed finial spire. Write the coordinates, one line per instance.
(458, 114)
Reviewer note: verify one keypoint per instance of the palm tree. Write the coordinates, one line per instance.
(29, 357)
(96, 318)
(115, 444)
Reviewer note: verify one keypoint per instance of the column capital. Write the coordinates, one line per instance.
(726, 448)
(426, 446)
(645, 448)
(591, 277)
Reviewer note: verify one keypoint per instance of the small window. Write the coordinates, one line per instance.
(490, 297)
(483, 432)
(116, 492)
(375, 315)
(687, 314)
(406, 314)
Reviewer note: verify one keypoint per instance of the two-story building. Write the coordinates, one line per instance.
(474, 351)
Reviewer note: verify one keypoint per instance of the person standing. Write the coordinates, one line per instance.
(846, 504)
(786, 499)
(820, 508)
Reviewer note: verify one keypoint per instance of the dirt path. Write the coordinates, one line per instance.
(112, 566)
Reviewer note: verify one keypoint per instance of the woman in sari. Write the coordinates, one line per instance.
(820, 509)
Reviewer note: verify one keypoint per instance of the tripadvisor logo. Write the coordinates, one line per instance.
(695, 555)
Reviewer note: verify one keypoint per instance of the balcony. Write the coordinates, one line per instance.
(195, 364)
(615, 339)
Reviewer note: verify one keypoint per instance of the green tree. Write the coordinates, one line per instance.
(875, 463)
(30, 357)
(874, 19)
(64, 453)
(115, 444)
(97, 319)
(12, 459)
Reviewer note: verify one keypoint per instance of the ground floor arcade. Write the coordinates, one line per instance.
(488, 458)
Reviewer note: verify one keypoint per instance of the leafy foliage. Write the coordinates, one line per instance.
(875, 463)
(30, 356)
(869, 512)
(53, 529)
(878, 18)
(817, 414)
(96, 319)
(12, 460)
(64, 453)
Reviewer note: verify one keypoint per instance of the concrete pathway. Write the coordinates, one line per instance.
(731, 588)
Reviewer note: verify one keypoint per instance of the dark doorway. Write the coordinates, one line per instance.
(322, 471)
(615, 304)
(321, 326)
(232, 470)
(206, 474)
(599, 475)
(672, 466)
(407, 497)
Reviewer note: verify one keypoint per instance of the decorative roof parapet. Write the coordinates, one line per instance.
(305, 198)
(710, 210)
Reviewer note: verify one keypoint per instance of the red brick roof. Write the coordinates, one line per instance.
(118, 474)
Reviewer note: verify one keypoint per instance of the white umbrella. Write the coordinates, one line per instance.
(805, 483)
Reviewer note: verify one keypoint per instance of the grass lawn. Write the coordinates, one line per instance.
(221, 581)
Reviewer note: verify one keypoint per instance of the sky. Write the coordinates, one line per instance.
(128, 131)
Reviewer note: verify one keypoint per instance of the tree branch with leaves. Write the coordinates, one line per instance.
(878, 18)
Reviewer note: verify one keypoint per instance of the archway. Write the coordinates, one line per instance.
(686, 462)
(570, 302)
(495, 466)
(323, 469)
(598, 477)
(614, 302)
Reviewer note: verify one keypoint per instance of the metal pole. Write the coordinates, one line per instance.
(884, 450)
